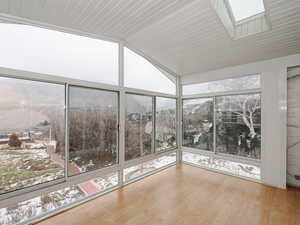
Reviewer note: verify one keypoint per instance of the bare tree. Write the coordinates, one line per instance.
(248, 107)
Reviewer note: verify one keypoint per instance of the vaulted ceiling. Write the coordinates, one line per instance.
(185, 35)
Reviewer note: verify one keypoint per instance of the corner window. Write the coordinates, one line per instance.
(223, 130)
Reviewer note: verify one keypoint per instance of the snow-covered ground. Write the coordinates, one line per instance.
(47, 203)
(26, 167)
(105, 182)
(141, 169)
(24, 153)
(239, 169)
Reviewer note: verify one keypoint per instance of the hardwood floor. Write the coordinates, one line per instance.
(187, 195)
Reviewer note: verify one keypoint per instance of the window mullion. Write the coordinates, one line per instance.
(122, 112)
(66, 130)
(153, 124)
(215, 126)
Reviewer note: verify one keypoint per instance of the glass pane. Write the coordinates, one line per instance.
(239, 125)
(245, 9)
(40, 50)
(138, 127)
(225, 165)
(31, 133)
(198, 115)
(140, 73)
(93, 120)
(165, 124)
(133, 172)
(48, 203)
(234, 84)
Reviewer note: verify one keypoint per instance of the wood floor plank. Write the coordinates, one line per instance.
(187, 195)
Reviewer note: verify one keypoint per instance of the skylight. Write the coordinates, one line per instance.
(242, 9)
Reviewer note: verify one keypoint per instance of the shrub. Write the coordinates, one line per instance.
(14, 141)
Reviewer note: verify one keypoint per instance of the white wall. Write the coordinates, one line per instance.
(274, 110)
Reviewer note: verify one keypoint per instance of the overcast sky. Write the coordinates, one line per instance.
(46, 51)
(242, 9)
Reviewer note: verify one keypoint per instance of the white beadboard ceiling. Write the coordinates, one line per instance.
(186, 36)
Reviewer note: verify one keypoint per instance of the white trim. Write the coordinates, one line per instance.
(121, 65)
(229, 11)
(148, 93)
(225, 93)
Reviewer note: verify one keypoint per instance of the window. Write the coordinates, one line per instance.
(51, 52)
(245, 9)
(47, 203)
(140, 73)
(93, 122)
(139, 126)
(31, 133)
(165, 124)
(225, 165)
(144, 168)
(198, 115)
(234, 84)
(226, 124)
(239, 125)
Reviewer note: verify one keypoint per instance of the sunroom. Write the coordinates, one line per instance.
(150, 112)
